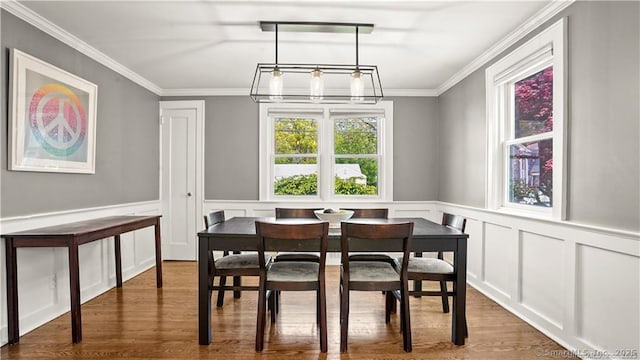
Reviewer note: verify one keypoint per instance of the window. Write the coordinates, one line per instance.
(525, 118)
(326, 152)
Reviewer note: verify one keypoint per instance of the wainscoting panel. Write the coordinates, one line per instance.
(608, 300)
(542, 276)
(578, 284)
(43, 273)
(498, 259)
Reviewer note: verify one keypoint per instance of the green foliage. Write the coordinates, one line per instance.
(308, 185)
(297, 185)
(350, 187)
(296, 136)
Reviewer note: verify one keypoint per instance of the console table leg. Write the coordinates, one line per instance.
(116, 241)
(12, 292)
(158, 255)
(74, 289)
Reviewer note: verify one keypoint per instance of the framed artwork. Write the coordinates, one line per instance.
(52, 116)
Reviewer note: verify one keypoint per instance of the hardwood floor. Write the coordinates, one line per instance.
(139, 321)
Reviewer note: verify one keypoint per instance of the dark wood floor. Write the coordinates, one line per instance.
(139, 321)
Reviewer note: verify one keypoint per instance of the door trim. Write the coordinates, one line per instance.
(198, 105)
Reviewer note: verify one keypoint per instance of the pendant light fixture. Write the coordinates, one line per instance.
(316, 83)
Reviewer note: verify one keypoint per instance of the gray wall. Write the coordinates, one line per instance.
(127, 135)
(232, 153)
(603, 186)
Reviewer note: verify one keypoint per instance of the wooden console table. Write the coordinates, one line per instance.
(71, 236)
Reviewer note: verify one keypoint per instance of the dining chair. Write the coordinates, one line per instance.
(292, 275)
(375, 275)
(370, 213)
(299, 213)
(437, 269)
(236, 265)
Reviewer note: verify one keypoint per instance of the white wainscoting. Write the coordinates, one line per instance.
(43, 273)
(578, 284)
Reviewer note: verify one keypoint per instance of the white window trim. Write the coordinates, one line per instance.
(325, 157)
(548, 48)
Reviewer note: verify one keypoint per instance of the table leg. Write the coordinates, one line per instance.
(459, 317)
(12, 291)
(74, 289)
(158, 255)
(204, 295)
(116, 240)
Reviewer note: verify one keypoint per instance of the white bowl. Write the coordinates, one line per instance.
(335, 218)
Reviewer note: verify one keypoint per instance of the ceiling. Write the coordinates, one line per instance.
(204, 46)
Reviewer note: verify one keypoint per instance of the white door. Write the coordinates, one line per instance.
(181, 177)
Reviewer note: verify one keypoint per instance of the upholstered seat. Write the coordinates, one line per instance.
(293, 271)
(363, 271)
(239, 261)
(429, 265)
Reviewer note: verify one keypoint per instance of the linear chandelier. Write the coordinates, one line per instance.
(316, 83)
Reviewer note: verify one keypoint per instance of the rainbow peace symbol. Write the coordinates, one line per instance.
(57, 119)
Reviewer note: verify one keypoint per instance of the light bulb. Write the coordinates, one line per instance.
(275, 85)
(316, 85)
(357, 86)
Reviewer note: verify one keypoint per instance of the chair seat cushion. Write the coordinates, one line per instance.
(292, 271)
(428, 265)
(239, 261)
(372, 271)
(298, 256)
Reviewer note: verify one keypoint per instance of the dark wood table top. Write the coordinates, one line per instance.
(82, 227)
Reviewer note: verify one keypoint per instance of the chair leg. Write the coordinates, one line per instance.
(406, 324)
(318, 307)
(260, 323)
(388, 306)
(272, 301)
(445, 297)
(344, 318)
(322, 310)
(223, 282)
(237, 281)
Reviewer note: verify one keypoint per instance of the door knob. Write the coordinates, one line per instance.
(189, 194)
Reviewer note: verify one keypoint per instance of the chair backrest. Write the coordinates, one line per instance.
(380, 213)
(376, 237)
(306, 213)
(454, 221)
(303, 236)
(213, 217)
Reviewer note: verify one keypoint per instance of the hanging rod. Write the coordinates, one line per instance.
(313, 26)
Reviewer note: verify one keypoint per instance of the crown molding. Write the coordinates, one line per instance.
(531, 24)
(243, 92)
(205, 92)
(59, 33)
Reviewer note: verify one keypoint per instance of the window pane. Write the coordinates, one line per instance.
(356, 135)
(534, 104)
(296, 136)
(295, 176)
(356, 176)
(530, 173)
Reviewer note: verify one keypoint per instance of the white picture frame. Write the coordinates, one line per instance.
(52, 118)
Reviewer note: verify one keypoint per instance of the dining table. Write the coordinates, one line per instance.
(239, 234)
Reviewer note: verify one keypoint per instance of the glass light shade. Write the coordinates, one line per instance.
(316, 85)
(276, 84)
(357, 86)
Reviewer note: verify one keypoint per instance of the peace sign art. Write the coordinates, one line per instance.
(53, 118)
